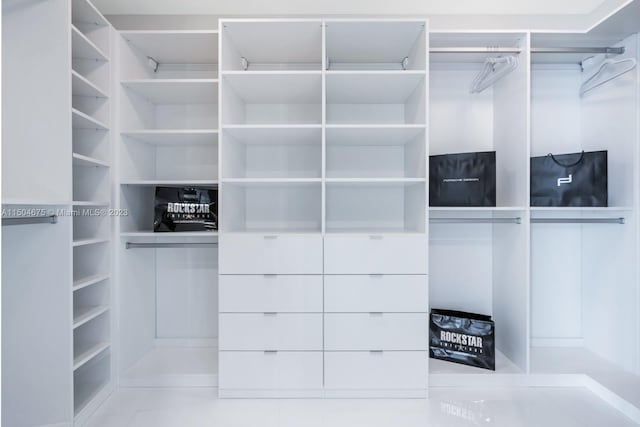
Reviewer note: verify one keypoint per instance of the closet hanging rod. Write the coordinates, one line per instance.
(136, 245)
(50, 219)
(594, 50)
(515, 220)
(578, 220)
(487, 49)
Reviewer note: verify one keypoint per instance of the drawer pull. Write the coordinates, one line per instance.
(376, 351)
(270, 276)
(271, 352)
(270, 313)
(375, 237)
(375, 313)
(270, 237)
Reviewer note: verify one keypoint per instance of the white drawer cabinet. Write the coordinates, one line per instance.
(376, 293)
(270, 293)
(376, 331)
(375, 254)
(270, 254)
(270, 331)
(270, 370)
(385, 370)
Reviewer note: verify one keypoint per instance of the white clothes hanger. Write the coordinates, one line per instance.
(493, 70)
(609, 64)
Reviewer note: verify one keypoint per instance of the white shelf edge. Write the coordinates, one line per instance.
(375, 126)
(273, 126)
(89, 281)
(87, 242)
(97, 123)
(88, 161)
(96, 12)
(476, 208)
(170, 132)
(89, 314)
(169, 182)
(168, 81)
(271, 180)
(375, 180)
(99, 53)
(99, 92)
(152, 32)
(272, 73)
(89, 354)
(186, 234)
(377, 72)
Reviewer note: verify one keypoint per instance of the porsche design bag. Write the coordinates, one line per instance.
(464, 338)
(186, 209)
(578, 179)
(467, 179)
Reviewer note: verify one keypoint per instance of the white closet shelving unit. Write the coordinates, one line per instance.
(169, 137)
(584, 276)
(92, 225)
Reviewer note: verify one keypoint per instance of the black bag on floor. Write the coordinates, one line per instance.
(467, 179)
(186, 209)
(465, 338)
(578, 179)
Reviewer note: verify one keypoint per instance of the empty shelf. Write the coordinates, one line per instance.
(171, 183)
(83, 315)
(88, 281)
(81, 86)
(83, 48)
(81, 120)
(89, 354)
(176, 91)
(82, 160)
(176, 47)
(86, 242)
(175, 137)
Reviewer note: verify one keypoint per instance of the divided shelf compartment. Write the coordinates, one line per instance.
(90, 379)
(90, 182)
(91, 260)
(90, 33)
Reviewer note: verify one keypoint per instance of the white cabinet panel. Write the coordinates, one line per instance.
(376, 331)
(270, 331)
(373, 293)
(270, 254)
(376, 370)
(270, 370)
(375, 254)
(270, 293)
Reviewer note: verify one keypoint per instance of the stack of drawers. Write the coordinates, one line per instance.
(270, 300)
(376, 331)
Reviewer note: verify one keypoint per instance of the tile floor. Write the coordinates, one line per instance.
(447, 407)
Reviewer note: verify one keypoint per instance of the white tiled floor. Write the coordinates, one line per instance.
(514, 407)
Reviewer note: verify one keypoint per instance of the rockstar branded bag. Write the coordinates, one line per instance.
(467, 179)
(464, 338)
(186, 209)
(578, 179)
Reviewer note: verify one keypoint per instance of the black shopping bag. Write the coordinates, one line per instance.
(465, 338)
(467, 179)
(186, 209)
(577, 179)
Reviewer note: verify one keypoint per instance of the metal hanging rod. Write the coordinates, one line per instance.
(578, 220)
(50, 219)
(594, 50)
(515, 220)
(136, 245)
(486, 49)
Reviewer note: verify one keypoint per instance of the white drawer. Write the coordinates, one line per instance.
(376, 331)
(270, 254)
(354, 294)
(375, 254)
(270, 331)
(277, 293)
(270, 370)
(376, 370)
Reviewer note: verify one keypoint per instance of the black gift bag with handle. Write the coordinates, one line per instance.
(576, 179)
(465, 179)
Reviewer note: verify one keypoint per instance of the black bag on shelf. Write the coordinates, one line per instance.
(577, 179)
(186, 209)
(467, 179)
(465, 338)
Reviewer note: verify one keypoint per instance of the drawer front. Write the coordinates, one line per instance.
(376, 370)
(375, 254)
(270, 293)
(270, 331)
(270, 254)
(376, 331)
(367, 293)
(270, 370)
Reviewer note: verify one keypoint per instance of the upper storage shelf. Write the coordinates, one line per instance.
(274, 45)
(170, 91)
(376, 45)
(169, 54)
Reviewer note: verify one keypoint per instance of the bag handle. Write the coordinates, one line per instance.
(570, 165)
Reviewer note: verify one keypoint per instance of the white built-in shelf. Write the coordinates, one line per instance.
(84, 12)
(390, 180)
(87, 242)
(174, 137)
(81, 120)
(175, 46)
(171, 183)
(91, 203)
(82, 315)
(275, 135)
(89, 281)
(580, 209)
(267, 73)
(82, 160)
(477, 208)
(88, 354)
(83, 48)
(376, 127)
(373, 231)
(259, 181)
(173, 235)
(387, 135)
(175, 91)
(390, 73)
(372, 88)
(81, 86)
(281, 88)
(269, 127)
